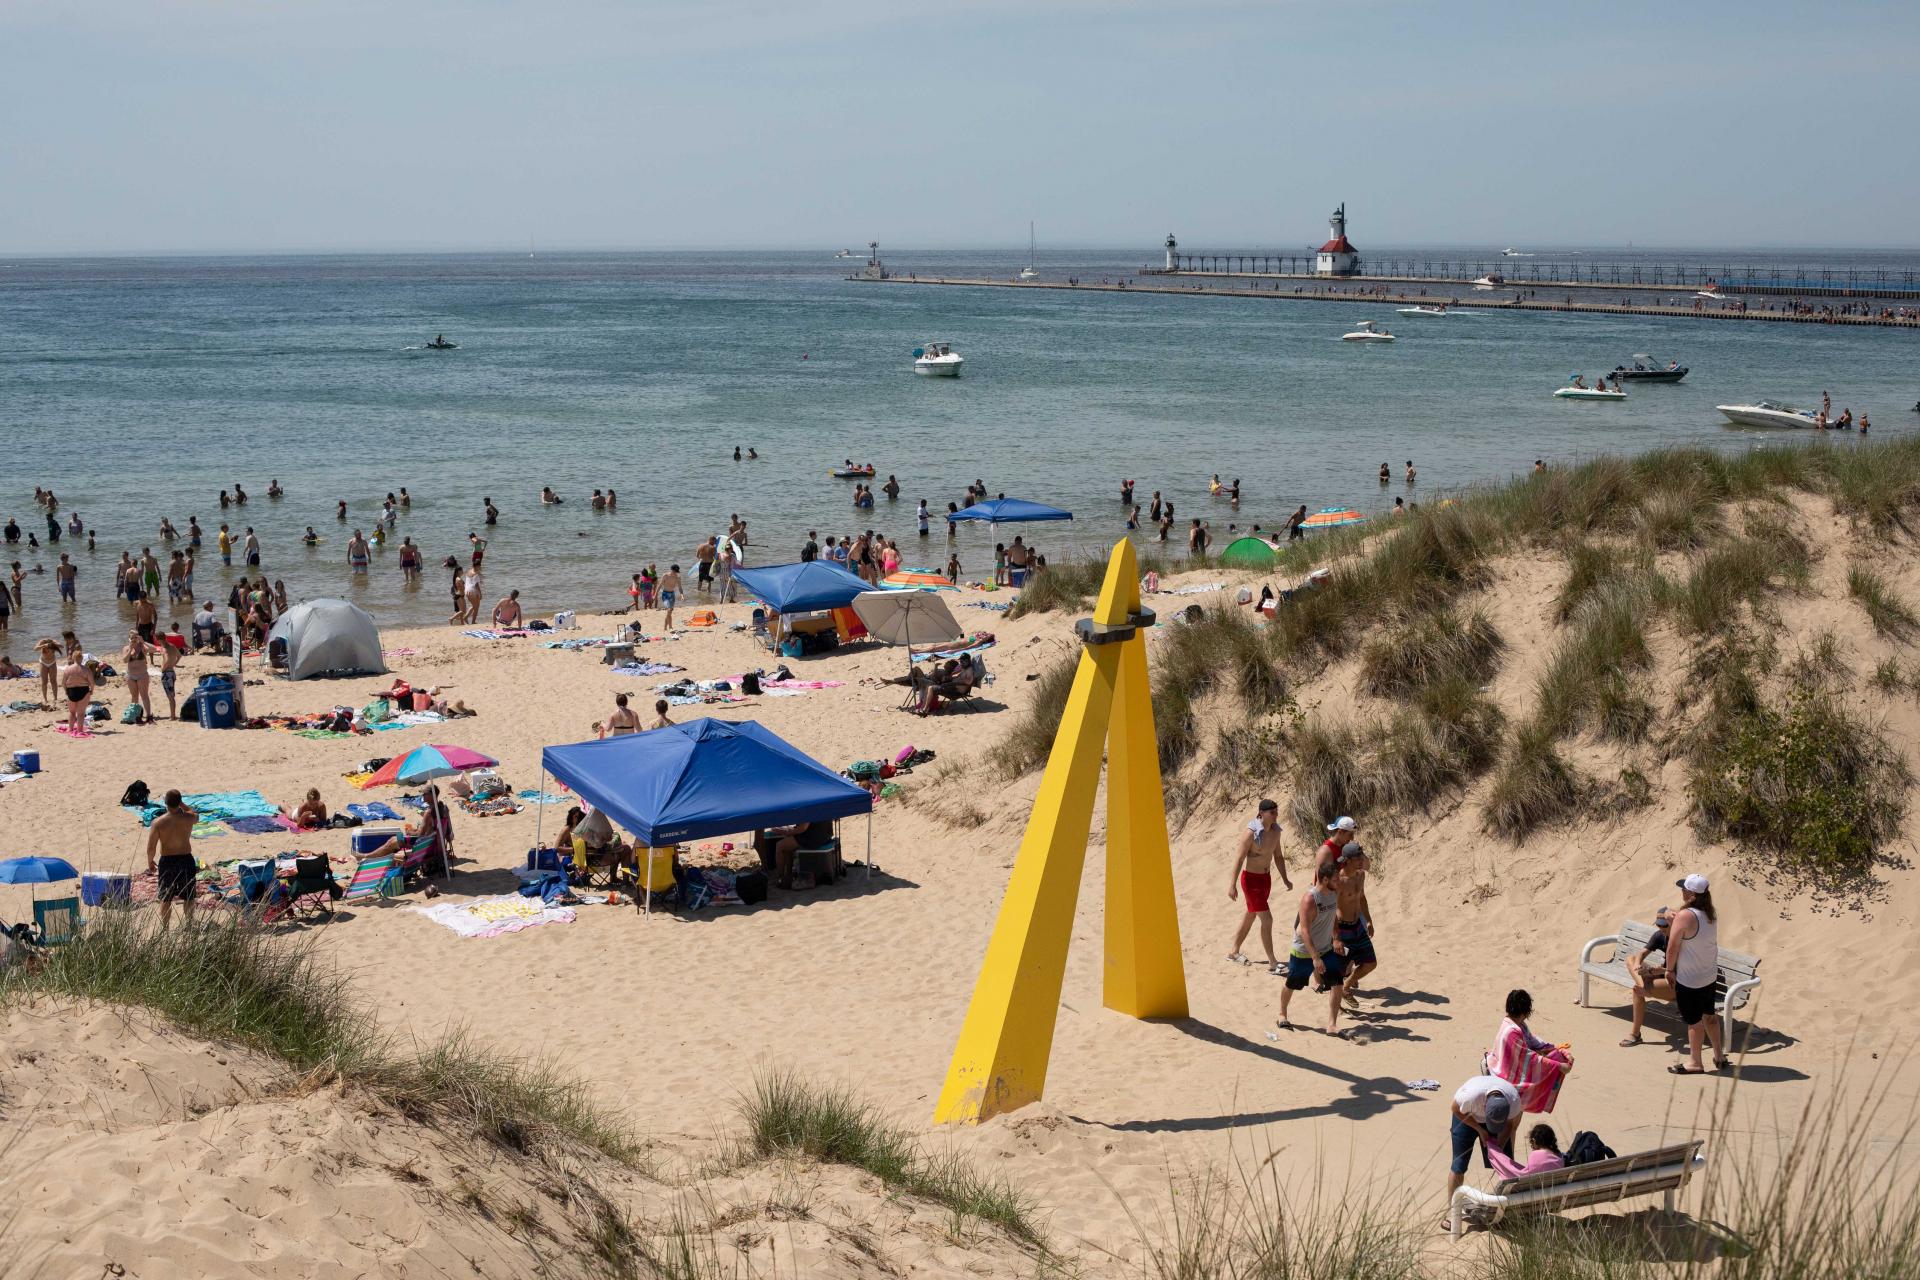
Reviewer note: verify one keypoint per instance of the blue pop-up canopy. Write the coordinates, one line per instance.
(703, 778)
(1006, 511)
(801, 588)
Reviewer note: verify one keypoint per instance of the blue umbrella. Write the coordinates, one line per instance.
(35, 870)
(1009, 511)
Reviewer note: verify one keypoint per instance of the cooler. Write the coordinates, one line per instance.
(367, 839)
(214, 699)
(27, 761)
(105, 888)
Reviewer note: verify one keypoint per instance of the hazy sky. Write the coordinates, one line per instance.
(135, 125)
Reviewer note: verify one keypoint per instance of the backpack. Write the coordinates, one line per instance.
(131, 714)
(1586, 1148)
(864, 770)
(136, 794)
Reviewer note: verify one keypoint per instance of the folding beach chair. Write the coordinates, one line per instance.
(374, 877)
(312, 889)
(56, 920)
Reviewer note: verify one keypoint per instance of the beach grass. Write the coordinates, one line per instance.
(1433, 647)
(1588, 678)
(788, 1116)
(1533, 786)
(1890, 615)
(1027, 743)
(233, 982)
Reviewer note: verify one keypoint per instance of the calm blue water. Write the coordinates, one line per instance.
(137, 388)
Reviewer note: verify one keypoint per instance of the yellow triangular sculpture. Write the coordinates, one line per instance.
(1000, 1062)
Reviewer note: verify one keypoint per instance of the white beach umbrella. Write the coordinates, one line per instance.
(906, 618)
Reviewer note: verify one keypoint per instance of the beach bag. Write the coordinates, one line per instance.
(98, 711)
(136, 794)
(750, 683)
(751, 886)
(379, 711)
(864, 770)
(791, 647)
(1586, 1148)
(132, 714)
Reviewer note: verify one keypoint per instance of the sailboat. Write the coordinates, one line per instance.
(1029, 272)
(529, 246)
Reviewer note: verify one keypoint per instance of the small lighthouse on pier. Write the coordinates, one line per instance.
(1337, 257)
(1172, 244)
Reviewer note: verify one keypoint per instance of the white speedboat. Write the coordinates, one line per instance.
(937, 360)
(1367, 332)
(1511, 252)
(1589, 393)
(844, 253)
(1489, 282)
(1423, 311)
(1767, 413)
(1712, 294)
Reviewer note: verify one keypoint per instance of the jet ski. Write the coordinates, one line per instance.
(441, 344)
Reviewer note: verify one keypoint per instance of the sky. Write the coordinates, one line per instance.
(132, 126)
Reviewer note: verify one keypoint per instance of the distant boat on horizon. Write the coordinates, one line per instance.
(1029, 272)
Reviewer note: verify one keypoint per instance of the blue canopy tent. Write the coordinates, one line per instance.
(704, 778)
(807, 587)
(1008, 511)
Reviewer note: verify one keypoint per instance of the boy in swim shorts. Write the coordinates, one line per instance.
(1252, 879)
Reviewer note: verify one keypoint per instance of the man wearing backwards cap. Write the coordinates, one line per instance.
(1339, 836)
(1486, 1109)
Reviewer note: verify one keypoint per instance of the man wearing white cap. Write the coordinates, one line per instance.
(1339, 835)
(1485, 1109)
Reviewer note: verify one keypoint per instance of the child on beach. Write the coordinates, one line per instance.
(953, 569)
(669, 592)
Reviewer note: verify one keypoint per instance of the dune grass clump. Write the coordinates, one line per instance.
(1533, 786)
(1434, 647)
(1890, 615)
(1878, 484)
(1222, 649)
(786, 1116)
(233, 982)
(1805, 781)
(1256, 1230)
(1588, 681)
(1026, 745)
(1074, 583)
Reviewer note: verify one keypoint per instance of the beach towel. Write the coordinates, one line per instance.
(978, 642)
(378, 811)
(497, 807)
(262, 825)
(543, 797)
(1198, 589)
(646, 669)
(1532, 1066)
(213, 807)
(491, 917)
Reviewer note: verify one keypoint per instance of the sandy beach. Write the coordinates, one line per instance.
(670, 1016)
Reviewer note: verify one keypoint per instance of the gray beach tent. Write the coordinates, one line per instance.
(329, 637)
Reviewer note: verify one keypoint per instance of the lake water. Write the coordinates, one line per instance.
(141, 388)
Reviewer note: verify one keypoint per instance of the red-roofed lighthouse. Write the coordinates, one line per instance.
(1337, 257)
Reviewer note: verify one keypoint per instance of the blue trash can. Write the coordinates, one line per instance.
(214, 698)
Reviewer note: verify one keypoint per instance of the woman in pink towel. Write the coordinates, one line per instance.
(1532, 1066)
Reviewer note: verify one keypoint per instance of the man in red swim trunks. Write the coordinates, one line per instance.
(1253, 865)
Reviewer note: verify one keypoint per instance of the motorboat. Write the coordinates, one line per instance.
(1713, 294)
(1511, 252)
(1767, 413)
(1367, 332)
(937, 360)
(1645, 369)
(1489, 281)
(1423, 311)
(1589, 393)
(844, 253)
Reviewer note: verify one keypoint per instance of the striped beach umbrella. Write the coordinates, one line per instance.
(424, 764)
(916, 580)
(1334, 518)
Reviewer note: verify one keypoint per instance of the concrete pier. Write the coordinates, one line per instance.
(1504, 299)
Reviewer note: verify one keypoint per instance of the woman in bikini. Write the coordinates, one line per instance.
(139, 682)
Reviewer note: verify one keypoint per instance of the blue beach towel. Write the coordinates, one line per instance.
(213, 806)
(378, 811)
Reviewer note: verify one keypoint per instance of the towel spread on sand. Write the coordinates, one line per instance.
(378, 811)
(213, 807)
(1198, 589)
(592, 642)
(491, 917)
(260, 826)
(543, 797)
(978, 642)
(646, 669)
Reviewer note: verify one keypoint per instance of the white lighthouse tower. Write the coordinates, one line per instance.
(1337, 257)
(1172, 244)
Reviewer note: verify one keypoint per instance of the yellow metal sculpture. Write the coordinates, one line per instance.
(1000, 1063)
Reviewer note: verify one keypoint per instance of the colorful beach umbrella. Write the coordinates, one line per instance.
(1334, 518)
(424, 764)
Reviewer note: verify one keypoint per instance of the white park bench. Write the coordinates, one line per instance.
(1666, 1170)
(1739, 974)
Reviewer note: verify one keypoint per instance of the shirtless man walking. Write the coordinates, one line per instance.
(171, 836)
(1253, 865)
(1353, 919)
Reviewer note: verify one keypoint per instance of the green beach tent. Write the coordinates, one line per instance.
(1248, 553)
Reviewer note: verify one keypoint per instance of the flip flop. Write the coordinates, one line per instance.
(1284, 1025)
(1721, 1064)
(1631, 1041)
(1682, 1069)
